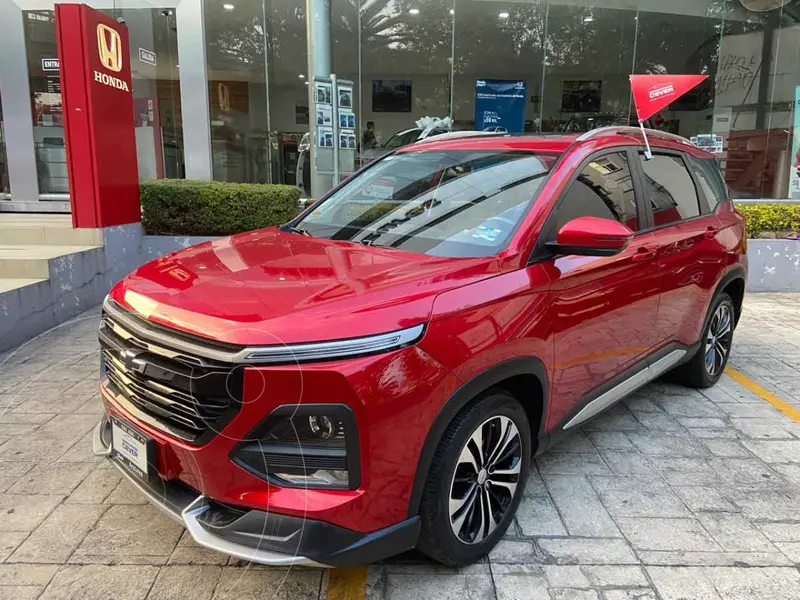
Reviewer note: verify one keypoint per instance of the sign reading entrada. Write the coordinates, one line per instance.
(109, 49)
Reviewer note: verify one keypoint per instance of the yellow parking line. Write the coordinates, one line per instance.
(347, 584)
(789, 410)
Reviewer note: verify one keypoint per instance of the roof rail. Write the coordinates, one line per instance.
(634, 131)
(457, 135)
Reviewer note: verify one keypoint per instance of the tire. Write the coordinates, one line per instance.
(700, 372)
(494, 413)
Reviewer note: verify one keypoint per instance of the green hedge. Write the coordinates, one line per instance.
(770, 220)
(183, 207)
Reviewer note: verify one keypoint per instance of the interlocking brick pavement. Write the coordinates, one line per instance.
(672, 494)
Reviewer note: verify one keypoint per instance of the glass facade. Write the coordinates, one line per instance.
(569, 61)
(156, 94)
(45, 90)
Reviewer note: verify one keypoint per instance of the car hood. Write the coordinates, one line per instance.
(270, 287)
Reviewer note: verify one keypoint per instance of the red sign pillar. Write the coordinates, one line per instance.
(96, 95)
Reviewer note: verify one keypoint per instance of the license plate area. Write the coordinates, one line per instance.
(132, 448)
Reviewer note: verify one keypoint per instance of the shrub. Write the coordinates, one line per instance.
(769, 220)
(183, 207)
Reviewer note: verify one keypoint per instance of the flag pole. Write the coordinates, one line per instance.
(648, 154)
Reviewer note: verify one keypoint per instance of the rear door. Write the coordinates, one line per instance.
(603, 308)
(684, 227)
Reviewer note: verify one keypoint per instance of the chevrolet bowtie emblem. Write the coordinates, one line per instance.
(132, 361)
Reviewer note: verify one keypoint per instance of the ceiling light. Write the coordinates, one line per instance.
(588, 19)
(301, 76)
(452, 12)
(413, 11)
(228, 6)
(503, 15)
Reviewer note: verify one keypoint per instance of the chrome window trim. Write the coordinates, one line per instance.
(159, 342)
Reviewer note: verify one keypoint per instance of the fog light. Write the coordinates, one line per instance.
(313, 445)
(321, 426)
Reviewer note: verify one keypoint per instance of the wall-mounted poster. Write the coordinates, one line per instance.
(347, 120)
(324, 115)
(325, 137)
(345, 97)
(500, 105)
(323, 92)
(391, 95)
(581, 96)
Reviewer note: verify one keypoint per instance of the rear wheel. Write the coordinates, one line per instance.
(476, 480)
(707, 365)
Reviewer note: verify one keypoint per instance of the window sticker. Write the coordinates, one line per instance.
(490, 234)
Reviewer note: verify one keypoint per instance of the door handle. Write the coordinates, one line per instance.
(643, 254)
(710, 232)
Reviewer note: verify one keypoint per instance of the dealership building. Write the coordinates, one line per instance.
(221, 87)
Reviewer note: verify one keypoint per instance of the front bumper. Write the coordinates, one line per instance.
(258, 536)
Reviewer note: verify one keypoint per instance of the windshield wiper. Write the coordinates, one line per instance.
(299, 230)
(369, 242)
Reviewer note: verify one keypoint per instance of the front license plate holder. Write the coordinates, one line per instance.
(132, 448)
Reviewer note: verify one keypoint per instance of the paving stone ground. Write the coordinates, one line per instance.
(673, 494)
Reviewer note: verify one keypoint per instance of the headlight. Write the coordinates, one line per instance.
(309, 445)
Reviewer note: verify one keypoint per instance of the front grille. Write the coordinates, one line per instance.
(190, 397)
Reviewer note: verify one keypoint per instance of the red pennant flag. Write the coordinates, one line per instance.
(651, 93)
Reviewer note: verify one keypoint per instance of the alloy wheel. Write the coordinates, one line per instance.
(718, 339)
(485, 479)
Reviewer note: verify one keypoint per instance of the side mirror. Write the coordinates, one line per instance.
(592, 236)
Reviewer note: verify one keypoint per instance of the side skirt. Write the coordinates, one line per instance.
(618, 388)
(627, 387)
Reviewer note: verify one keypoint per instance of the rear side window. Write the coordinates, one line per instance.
(670, 189)
(710, 178)
(603, 189)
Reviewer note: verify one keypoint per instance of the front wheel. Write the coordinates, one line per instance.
(707, 365)
(476, 480)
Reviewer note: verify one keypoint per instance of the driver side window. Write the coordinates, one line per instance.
(603, 189)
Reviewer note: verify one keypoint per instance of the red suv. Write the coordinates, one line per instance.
(377, 374)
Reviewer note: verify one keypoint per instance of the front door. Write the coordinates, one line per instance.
(603, 308)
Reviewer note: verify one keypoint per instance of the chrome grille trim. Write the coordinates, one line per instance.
(189, 397)
(184, 349)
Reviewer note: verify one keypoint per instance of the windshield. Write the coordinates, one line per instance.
(402, 139)
(455, 203)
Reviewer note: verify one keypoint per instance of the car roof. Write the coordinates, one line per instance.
(405, 131)
(558, 143)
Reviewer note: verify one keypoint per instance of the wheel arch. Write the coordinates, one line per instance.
(732, 283)
(524, 377)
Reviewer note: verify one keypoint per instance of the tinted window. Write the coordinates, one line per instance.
(603, 189)
(441, 202)
(711, 181)
(670, 189)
